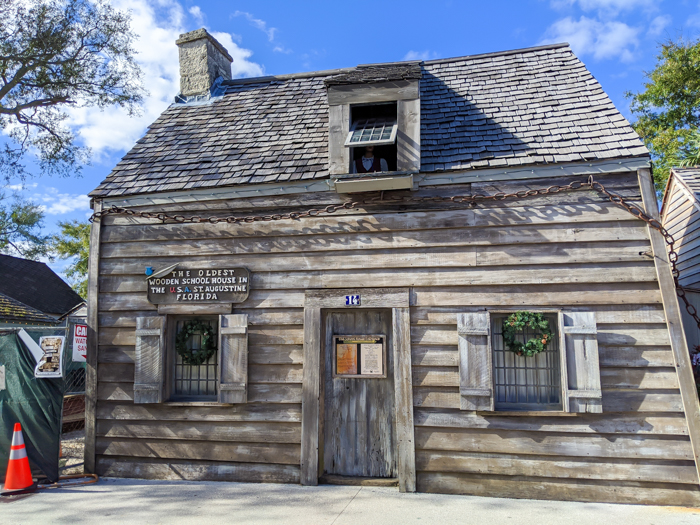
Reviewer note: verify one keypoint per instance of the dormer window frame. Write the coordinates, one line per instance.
(370, 126)
(406, 95)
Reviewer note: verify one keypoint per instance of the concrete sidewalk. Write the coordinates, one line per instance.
(130, 501)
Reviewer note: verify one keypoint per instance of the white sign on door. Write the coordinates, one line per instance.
(80, 343)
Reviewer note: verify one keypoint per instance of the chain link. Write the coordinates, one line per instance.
(470, 200)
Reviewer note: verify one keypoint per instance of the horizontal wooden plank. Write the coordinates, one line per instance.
(434, 355)
(613, 313)
(641, 401)
(460, 257)
(435, 376)
(115, 372)
(629, 335)
(562, 468)
(269, 393)
(188, 470)
(260, 355)
(642, 378)
(276, 453)
(276, 354)
(533, 296)
(635, 356)
(255, 316)
(183, 412)
(232, 244)
(581, 423)
(438, 397)
(257, 393)
(518, 442)
(248, 431)
(116, 354)
(274, 373)
(642, 271)
(567, 490)
(276, 335)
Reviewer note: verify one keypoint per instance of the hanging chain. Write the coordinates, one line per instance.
(470, 200)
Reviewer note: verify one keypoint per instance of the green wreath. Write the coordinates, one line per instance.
(516, 324)
(191, 356)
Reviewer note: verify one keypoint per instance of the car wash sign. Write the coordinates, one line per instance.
(175, 285)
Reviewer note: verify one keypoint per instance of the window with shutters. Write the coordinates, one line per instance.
(194, 382)
(526, 383)
(565, 377)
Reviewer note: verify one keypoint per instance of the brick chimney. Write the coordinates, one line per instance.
(202, 60)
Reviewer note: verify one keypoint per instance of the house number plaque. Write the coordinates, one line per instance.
(199, 285)
(359, 356)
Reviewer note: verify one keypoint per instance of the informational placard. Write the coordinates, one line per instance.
(80, 343)
(51, 361)
(359, 356)
(199, 285)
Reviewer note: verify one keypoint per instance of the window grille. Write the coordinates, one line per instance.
(372, 132)
(196, 382)
(526, 383)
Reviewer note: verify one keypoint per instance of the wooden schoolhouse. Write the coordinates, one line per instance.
(391, 273)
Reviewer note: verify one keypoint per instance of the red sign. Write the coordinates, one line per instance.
(80, 343)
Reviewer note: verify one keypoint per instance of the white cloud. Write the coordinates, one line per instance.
(608, 6)
(588, 36)
(21, 186)
(55, 203)
(420, 55)
(259, 24)
(197, 14)
(658, 25)
(159, 23)
(281, 49)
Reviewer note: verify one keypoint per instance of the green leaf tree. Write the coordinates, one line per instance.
(668, 109)
(55, 55)
(21, 224)
(74, 243)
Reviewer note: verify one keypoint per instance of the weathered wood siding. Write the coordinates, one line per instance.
(572, 250)
(681, 217)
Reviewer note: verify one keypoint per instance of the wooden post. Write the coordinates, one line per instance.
(679, 345)
(403, 389)
(92, 346)
(311, 390)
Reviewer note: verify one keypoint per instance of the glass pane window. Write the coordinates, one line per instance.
(191, 381)
(372, 131)
(526, 383)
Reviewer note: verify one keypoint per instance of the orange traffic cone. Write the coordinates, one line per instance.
(19, 475)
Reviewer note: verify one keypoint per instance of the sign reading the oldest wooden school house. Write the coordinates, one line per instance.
(334, 295)
(199, 285)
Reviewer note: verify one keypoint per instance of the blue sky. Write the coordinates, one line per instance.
(616, 39)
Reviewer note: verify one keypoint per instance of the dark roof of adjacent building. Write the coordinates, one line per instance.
(517, 108)
(34, 284)
(13, 311)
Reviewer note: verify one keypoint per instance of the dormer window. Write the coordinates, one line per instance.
(377, 106)
(373, 125)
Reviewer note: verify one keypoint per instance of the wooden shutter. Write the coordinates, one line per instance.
(233, 358)
(475, 370)
(148, 374)
(580, 366)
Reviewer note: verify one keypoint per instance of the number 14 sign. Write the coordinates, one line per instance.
(352, 300)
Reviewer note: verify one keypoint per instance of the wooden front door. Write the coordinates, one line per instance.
(359, 420)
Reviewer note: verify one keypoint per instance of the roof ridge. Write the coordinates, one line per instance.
(330, 72)
(498, 53)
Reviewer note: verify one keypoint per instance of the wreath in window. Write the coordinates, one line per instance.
(516, 324)
(201, 355)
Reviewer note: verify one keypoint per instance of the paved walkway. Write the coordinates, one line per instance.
(127, 501)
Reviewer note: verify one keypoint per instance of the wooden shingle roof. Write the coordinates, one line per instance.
(517, 108)
(12, 311)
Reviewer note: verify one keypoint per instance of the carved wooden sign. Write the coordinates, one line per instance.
(198, 285)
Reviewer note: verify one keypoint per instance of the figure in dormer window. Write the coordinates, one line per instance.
(368, 163)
